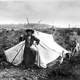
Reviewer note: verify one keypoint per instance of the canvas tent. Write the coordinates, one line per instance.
(47, 50)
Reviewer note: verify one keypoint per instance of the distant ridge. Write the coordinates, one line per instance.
(25, 26)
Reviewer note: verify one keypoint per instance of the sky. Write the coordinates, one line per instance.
(58, 12)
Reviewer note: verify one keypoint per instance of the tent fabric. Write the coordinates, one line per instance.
(49, 41)
(45, 55)
(15, 54)
(47, 50)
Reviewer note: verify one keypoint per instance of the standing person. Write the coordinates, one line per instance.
(76, 49)
(29, 54)
(77, 46)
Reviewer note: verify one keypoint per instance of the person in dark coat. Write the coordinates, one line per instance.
(29, 54)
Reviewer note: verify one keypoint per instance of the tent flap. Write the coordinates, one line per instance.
(15, 53)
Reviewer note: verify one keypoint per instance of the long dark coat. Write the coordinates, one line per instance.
(29, 54)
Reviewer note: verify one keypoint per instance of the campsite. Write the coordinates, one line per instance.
(68, 70)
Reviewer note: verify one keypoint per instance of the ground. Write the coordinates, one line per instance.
(18, 73)
(68, 70)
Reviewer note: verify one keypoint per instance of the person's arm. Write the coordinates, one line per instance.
(24, 37)
(21, 38)
(37, 40)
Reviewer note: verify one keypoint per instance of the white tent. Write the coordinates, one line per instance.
(48, 50)
(49, 41)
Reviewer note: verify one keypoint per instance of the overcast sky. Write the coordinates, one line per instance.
(49, 11)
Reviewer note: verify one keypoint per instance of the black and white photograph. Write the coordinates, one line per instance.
(39, 39)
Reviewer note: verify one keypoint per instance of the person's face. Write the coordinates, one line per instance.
(29, 33)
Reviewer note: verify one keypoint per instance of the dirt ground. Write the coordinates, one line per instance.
(68, 70)
(17, 73)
